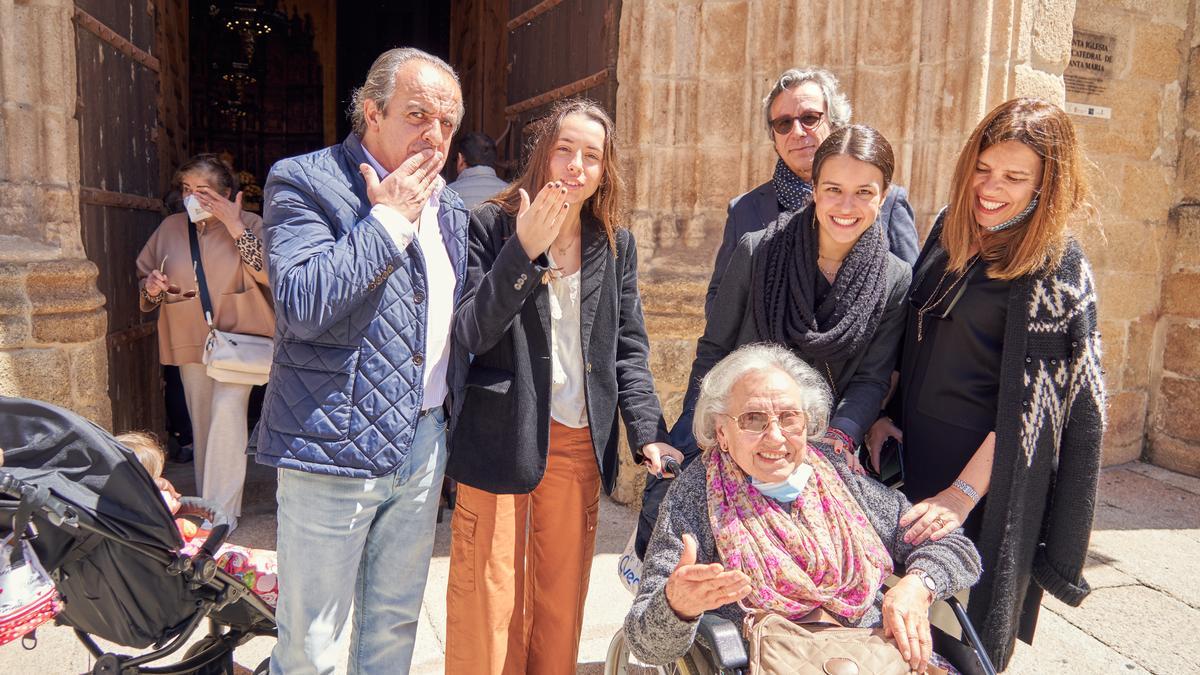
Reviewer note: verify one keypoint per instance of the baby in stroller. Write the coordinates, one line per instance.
(93, 516)
(256, 568)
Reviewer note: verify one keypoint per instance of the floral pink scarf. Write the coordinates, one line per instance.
(824, 554)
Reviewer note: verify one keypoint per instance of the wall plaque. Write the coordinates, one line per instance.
(1092, 61)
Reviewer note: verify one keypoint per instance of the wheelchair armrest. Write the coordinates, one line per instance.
(722, 637)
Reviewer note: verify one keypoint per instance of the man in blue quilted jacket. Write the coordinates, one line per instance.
(366, 252)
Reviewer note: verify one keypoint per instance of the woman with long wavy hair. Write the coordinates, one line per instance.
(1001, 397)
(553, 317)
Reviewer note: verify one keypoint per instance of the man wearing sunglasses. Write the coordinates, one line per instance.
(803, 108)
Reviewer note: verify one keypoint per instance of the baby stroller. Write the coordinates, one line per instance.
(720, 649)
(94, 518)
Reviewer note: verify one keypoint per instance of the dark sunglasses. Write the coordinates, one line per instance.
(809, 120)
(757, 421)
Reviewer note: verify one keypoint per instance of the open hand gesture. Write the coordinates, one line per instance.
(538, 223)
(694, 589)
(408, 188)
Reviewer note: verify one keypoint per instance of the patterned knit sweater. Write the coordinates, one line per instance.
(657, 635)
(1049, 427)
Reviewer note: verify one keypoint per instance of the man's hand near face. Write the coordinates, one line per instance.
(408, 188)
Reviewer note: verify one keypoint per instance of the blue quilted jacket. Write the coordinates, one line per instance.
(346, 384)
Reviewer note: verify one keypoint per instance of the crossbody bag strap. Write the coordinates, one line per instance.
(198, 268)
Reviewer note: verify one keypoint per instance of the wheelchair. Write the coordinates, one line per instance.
(720, 650)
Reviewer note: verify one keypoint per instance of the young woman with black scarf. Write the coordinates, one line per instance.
(821, 282)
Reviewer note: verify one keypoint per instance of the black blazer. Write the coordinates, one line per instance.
(755, 210)
(500, 435)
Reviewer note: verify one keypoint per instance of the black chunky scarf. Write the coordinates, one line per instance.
(783, 283)
(791, 190)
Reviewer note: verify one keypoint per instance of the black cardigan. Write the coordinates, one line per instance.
(500, 435)
(1049, 428)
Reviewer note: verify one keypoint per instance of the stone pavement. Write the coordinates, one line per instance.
(1143, 615)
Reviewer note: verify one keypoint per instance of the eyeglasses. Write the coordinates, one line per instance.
(757, 421)
(809, 120)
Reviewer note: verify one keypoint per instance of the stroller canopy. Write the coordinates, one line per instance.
(83, 464)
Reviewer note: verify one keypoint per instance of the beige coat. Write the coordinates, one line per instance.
(241, 295)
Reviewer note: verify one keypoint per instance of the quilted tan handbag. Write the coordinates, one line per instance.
(819, 646)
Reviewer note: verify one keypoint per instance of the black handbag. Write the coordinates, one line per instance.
(891, 462)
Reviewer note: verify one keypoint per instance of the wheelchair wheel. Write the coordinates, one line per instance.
(688, 665)
(618, 660)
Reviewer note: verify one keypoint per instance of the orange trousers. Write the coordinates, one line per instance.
(519, 567)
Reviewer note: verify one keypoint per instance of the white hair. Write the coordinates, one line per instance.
(719, 382)
(837, 106)
(381, 83)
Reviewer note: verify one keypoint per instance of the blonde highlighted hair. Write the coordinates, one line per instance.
(1038, 244)
(147, 449)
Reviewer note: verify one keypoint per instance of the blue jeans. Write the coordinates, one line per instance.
(367, 539)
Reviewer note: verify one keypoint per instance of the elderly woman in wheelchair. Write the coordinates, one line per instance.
(768, 524)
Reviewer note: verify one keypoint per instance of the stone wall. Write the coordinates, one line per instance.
(52, 321)
(1136, 156)
(1174, 426)
(692, 75)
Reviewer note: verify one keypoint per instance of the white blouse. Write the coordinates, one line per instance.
(568, 405)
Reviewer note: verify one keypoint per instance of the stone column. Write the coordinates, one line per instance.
(692, 77)
(1174, 438)
(1135, 156)
(52, 320)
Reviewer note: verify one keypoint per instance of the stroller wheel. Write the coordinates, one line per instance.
(220, 665)
(109, 664)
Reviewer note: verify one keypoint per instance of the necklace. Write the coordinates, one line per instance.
(829, 275)
(932, 302)
(560, 255)
(563, 250)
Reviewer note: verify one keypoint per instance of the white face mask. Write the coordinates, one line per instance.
(786, 491)
(196, 213)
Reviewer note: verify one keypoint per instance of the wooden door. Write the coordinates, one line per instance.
(558, 49)
(120, 184)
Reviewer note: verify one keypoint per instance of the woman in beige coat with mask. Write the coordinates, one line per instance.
(230, 243)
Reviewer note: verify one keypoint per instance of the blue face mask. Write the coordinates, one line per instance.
(785, 491)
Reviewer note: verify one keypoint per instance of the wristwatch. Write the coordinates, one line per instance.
(926, 580)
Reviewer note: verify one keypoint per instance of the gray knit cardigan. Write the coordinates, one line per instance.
(657, 635)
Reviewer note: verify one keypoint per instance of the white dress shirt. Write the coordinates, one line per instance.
(568, 403)
(440, 282)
